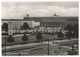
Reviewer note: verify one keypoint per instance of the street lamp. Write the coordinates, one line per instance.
(48, 46)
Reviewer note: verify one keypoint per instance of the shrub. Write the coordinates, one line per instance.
(39, 36)
(25, 37)
(10, 39)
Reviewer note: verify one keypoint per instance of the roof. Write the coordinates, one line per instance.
(45, 19)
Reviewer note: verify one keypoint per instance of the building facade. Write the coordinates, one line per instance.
(45, 24)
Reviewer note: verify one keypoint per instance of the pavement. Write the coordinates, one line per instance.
(31, 45)
(23, 46)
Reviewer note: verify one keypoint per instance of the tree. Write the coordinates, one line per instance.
(72, 30)
(69, 34)
(76, 30)
(25, 26)
(60, 35)
(69, 29)
(5, 27)
(25, 37)
(10, 39)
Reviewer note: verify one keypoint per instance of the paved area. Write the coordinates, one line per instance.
(34, 44)
(38, 48)
(30, 44)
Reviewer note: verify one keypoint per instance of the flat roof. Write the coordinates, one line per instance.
(44, 19)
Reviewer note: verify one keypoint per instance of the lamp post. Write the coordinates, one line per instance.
(48, 46)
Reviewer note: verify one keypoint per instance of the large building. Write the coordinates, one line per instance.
(50, 23)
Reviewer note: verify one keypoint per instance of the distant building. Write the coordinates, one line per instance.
(50, 23)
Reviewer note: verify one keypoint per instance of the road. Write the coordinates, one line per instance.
(44, 48)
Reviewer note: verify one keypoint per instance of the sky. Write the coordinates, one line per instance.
(38, 9)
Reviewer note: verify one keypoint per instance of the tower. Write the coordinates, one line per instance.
(27, 16)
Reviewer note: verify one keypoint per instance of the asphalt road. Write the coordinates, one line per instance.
(43, 49)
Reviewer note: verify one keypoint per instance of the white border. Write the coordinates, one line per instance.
(33, 1)
(36, 0)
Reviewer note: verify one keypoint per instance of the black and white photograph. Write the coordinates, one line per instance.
(40, 28)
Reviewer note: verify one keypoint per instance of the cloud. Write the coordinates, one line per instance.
(21, 11)
(71, 12)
